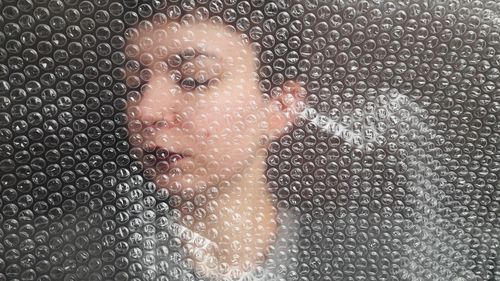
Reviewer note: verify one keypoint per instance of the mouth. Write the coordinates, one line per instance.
(169, 156)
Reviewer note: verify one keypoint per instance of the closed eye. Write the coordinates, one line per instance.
(190, 83)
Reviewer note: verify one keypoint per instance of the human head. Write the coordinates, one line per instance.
(201, 107)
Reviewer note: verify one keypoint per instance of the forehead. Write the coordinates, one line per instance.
(205, 37)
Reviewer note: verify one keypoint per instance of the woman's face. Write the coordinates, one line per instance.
(203, 113)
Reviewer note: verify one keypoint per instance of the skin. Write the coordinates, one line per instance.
(221, 128)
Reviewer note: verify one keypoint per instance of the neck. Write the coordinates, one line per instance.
(245, 224)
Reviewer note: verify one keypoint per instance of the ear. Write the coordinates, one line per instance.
(285, 104)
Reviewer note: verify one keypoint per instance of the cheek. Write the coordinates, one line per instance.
(228, 113)
(229, 119)
(238, 124)
(230, 136)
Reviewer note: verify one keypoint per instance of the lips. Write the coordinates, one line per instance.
(170, 156)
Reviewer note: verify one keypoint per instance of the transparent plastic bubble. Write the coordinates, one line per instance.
(126, 132)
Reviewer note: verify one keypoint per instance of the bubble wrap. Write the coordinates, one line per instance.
(249, 140)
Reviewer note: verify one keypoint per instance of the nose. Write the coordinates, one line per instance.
(159, 104)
